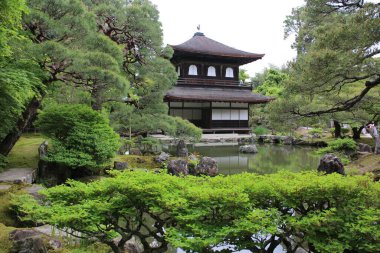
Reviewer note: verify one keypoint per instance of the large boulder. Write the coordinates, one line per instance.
(288, 140)
(248, 149)
(32, 241)
(162, 157)
(178, 167)
(120, 165)
(330, 163)
(206, 166)
(364, 148)
(182, 151)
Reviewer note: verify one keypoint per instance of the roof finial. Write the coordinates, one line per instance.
(199, 33)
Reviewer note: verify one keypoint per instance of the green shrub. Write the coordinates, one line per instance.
(260, 130)
(3, 162)
(316, 131)
(330, 213)
(81, 137)
(345, 131)
(184, 129)
(339, 145)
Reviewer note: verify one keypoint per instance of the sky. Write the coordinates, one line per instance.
(254, 26)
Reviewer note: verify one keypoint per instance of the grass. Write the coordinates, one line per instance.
(25, 152)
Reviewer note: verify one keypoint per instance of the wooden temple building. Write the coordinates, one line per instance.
(208, 92)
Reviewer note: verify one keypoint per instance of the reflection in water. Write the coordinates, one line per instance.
(269, 159)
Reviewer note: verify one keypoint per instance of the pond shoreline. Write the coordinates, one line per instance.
(241, 139)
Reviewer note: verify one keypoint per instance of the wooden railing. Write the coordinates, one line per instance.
(199, 81)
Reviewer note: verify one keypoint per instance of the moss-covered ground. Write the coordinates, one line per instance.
(366, 163)
(142, 162)
(25, 152)
(5, 243)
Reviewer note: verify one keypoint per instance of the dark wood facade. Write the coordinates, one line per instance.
(208, 92)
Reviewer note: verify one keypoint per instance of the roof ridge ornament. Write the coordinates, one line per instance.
(199, 33)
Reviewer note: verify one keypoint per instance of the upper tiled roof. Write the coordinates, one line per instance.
(200, 44)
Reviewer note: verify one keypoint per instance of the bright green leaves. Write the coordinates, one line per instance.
(273, 83)
(82, 137)
(17, 88)
(10, 23)
(331, 213)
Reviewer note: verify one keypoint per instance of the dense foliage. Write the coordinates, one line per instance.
(336, 74)
(103, 53)
(82, 137)
(328, 213)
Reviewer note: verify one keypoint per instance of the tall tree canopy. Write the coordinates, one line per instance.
(337, 43)
(111, 50)
(337, 69)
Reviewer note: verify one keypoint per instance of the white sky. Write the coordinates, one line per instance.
(251, 25)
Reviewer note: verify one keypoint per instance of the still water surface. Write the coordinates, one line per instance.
(269, 159)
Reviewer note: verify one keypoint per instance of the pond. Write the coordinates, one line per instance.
(270, 158)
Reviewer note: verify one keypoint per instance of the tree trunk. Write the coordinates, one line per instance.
(23, 123)
(338, 129)
(356, 132)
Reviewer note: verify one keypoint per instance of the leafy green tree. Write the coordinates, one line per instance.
(273, 83)
(324, 213)
(81, 137)
(243, 75)
(136, 28)
(270, 82)
(20, 77)
(337, 66)
(10, 23)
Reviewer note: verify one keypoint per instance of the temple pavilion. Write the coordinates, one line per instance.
(208, 92)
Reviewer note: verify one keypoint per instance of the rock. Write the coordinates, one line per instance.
(120, 165)
(42, 149)
(33, 190)
(248, 149)
(162, 157)
(5, 187)
(364, 148)
(330, 163)
(192, 157)
(206, 166)
(275, 139)
(178, 167)
(182, 151)
(288, 140)
(27, 241)
(135, 151)
(19, 176)
(54, 244)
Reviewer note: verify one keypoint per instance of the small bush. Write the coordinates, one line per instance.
(3, 162)
(339, 145)
(260, 130)
(345, 131)
(316, 131)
